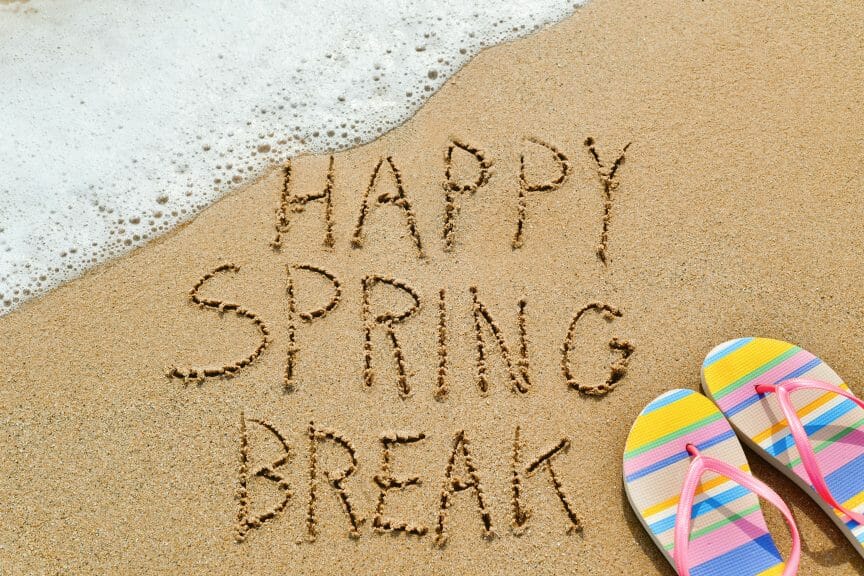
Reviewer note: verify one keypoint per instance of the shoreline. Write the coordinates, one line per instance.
(160, 168)
(449, 382)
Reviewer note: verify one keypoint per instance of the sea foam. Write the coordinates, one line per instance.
(119, 120)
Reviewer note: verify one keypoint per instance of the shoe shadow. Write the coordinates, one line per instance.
(641, 537)
(833, 550)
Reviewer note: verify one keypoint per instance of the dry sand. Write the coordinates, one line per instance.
(736, 212)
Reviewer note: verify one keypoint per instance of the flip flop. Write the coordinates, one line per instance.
(796, 412)
(687, 479)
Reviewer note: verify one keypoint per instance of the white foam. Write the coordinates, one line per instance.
(119, 120)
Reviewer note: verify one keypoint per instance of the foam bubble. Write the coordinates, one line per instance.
(119, 120)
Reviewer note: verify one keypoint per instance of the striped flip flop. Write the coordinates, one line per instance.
(796, 412)
(687, 479)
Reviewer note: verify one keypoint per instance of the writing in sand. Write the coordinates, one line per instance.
(388, 306)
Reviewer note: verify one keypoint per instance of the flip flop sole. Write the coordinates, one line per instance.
(835, 425)
(729, 534)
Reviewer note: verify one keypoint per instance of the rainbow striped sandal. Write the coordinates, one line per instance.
(687, 479)
(814, 436)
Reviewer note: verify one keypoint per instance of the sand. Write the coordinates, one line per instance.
(734, 212)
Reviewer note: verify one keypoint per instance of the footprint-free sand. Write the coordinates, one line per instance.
(294, 382)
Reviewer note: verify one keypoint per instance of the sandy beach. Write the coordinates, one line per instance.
(293, 382)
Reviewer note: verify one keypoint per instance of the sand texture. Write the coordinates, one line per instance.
(735, 211)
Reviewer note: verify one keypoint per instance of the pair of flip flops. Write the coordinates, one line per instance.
(687, 478)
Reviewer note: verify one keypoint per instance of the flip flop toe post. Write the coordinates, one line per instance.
(796, 412)
(687, 479)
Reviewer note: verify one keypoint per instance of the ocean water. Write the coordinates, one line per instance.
(119, 120)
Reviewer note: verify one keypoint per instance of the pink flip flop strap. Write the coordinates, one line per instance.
(783, 390)
(698, 466)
